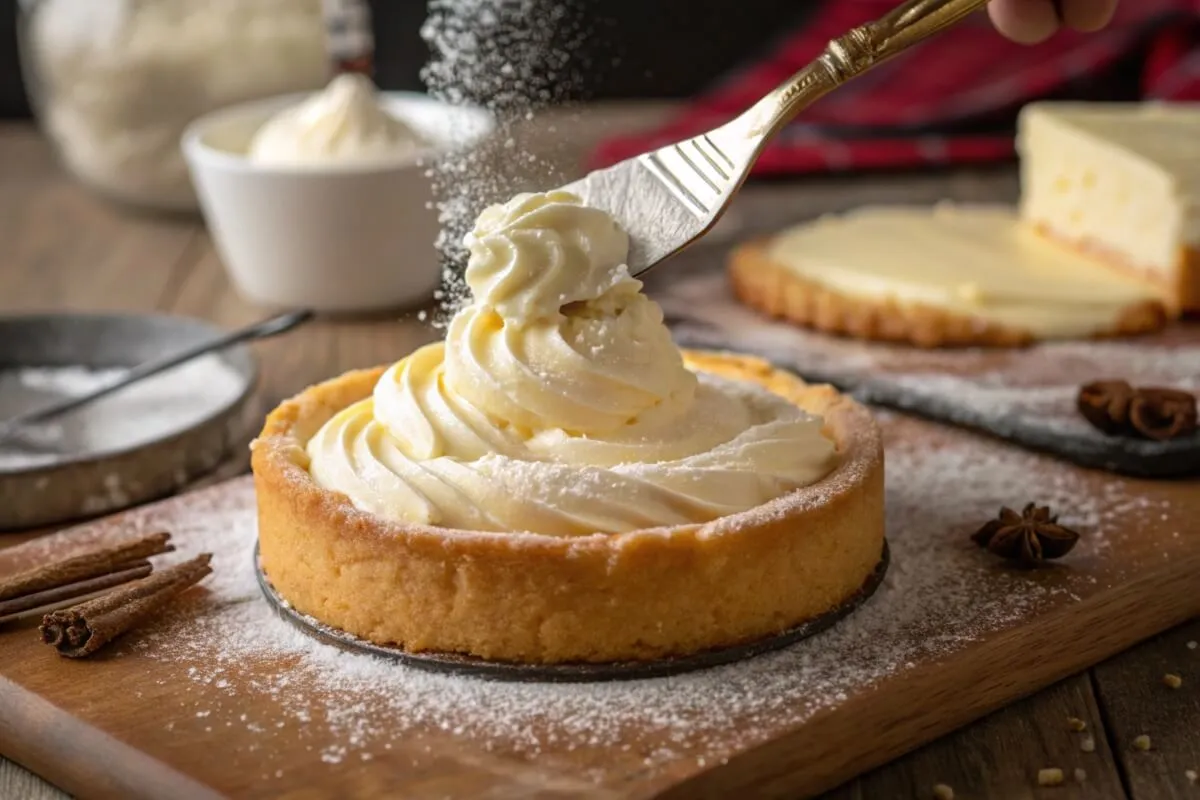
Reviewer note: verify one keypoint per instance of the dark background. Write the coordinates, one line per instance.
(662, 48)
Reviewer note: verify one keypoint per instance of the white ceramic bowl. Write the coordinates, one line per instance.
(337, 238)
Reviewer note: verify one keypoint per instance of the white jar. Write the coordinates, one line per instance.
(115, 82)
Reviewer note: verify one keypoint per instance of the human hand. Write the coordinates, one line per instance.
(1031, 21)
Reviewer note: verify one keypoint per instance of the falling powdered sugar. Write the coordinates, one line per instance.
(940, 595)
(511, 57)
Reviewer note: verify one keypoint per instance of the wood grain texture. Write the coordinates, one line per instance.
(1136, 702)
(1000, 755)
(64, 249)
(82, 756)
(933, 702)
(1103, 603)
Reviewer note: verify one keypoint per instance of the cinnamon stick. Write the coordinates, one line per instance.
(93, 564)
(81, 630)
(72, 593)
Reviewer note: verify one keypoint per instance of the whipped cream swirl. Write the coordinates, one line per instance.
(559, 404)
(345, 123)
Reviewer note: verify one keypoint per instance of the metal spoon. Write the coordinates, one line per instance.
(282, 323)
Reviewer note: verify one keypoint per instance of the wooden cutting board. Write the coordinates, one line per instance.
(222, 697)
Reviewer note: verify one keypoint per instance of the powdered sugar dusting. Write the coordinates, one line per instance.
(940, 595)
(512, 57)
(147, 410)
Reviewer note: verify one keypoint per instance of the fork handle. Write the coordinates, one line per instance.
(851, 55)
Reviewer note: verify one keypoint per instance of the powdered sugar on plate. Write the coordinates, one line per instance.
(940, 595)
(148, 410)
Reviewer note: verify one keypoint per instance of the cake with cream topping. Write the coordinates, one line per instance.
(557, 482)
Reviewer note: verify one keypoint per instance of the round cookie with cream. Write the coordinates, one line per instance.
(556, 470)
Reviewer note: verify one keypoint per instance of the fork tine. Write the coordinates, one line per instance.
(696, 171)
(668, 197)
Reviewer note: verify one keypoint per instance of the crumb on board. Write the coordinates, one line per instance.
(1172, 680)
(1080, 775)
(1087, 744)
(1192, 645)
(1191, 775)
(1051, 776)
(943, 792)
(1076, 724)
(1142, 742)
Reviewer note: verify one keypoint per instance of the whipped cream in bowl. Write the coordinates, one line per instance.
(345, 123)
(322, 200)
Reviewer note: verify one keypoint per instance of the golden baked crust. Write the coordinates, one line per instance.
(1180, 289)
(531, 598)
(770, 287)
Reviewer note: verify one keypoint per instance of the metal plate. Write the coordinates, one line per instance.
(455, 664)
(98, 482)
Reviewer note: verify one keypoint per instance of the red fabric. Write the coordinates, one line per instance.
(912, 111)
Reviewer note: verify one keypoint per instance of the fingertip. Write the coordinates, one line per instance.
(1024, 21)
(1088, 15)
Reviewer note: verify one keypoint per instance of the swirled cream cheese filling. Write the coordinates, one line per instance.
(558, 403)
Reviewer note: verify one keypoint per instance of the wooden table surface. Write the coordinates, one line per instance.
(62, 249)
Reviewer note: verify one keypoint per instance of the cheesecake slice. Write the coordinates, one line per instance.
(1120, 181)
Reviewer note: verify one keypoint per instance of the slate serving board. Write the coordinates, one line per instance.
(1024, 395)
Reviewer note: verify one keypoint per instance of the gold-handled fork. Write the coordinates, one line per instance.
(668, 198)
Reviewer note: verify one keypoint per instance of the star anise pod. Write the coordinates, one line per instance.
(1162, 413)
(1029, 537)
(1105, 404)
